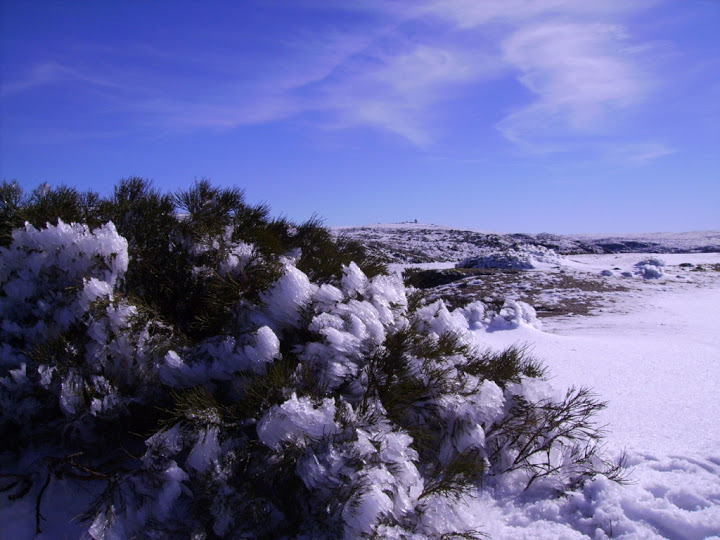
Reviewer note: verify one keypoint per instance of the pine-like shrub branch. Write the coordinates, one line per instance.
(208, 370)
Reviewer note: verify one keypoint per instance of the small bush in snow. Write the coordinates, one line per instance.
(518, 257)
(240, 391)
(652, 268)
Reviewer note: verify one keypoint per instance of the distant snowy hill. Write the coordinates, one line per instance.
(412, 243)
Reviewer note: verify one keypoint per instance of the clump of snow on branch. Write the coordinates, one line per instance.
(55, 281)
(39, 265)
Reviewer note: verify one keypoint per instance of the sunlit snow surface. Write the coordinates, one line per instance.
(654, 355)
(652, 351)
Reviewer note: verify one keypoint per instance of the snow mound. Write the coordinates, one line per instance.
(514, 314)
(652, 268)
(519, 257)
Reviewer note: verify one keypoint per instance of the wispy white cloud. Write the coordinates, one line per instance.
(641, 153)
(471, 13)
(399, 90)
(51, 73)
(383, 81)
(579, 74)
(36, 77)
(573, 56)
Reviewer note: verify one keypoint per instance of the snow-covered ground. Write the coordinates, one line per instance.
(650, 347)
(654, 356)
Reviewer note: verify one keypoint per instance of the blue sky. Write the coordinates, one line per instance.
(505, 115)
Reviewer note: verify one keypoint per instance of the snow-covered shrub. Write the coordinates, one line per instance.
(45, 205)
(71, 348)
(373, 412)
(518, 257)
(514, 314)
(51, 276)
(262, 400)
(651, 268)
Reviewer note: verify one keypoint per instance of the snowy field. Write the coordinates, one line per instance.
(654, 355)
(651, 350)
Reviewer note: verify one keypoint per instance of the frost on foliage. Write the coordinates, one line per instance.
(50, 276)
(286, 299)
(484, 406)
(393, 486)
(295, 421)
(205, 451)
(59, 310)
(354, 280)
(351, 328)
(239, 256)
(438, 319)
(327, 297)
(150, 497)
(363, 476)
(220, 358)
